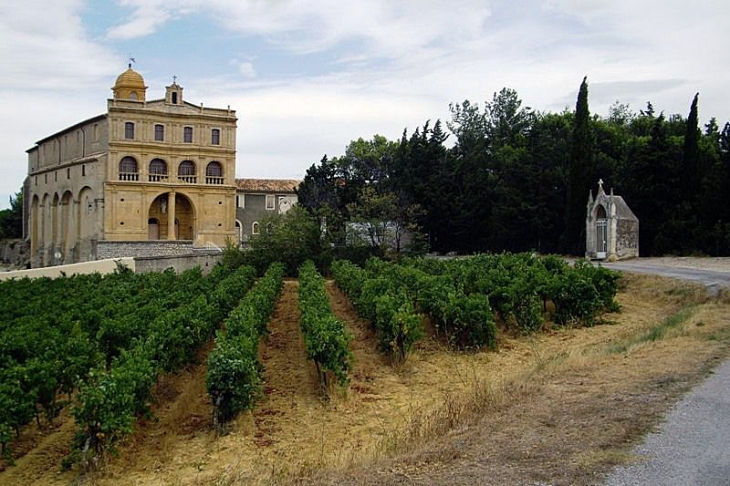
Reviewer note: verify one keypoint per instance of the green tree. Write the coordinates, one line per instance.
(579, 175)
(11, 220)
(291, 238)
(691, 153)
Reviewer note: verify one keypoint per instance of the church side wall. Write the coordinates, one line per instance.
(65, 191)
(627, 238)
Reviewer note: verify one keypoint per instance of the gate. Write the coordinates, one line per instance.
(601, 238)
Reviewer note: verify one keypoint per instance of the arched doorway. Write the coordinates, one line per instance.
(68, 235)
(34, 225)
(171, 216)
(153, 229)
(601, 232)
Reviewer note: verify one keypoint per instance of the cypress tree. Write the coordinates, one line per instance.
(691, 157)
(581, 162)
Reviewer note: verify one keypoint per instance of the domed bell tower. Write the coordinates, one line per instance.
(130, 86)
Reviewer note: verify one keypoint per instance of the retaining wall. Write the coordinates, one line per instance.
(160, 248)
(205, 259)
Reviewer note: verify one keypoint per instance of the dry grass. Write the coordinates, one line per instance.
(558, 407)
(576, 408)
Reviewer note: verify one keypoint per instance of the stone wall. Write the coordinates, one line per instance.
(206, 260)
(158, 248)
(14, 253)
(103, 267)
(627, 239)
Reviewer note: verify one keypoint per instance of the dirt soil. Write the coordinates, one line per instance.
(560, 407)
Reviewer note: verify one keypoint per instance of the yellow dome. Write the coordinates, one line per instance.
(130, 86)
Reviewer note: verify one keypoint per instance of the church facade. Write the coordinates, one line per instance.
(146, 178)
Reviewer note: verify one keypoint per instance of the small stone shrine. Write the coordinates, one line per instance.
(612, 229)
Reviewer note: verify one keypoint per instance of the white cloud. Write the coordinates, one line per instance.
(44, 46)
(52, 76)
(145, 20)
(247, 70)
(393, 65)
(388, 29)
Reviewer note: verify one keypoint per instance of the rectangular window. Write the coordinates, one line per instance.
(188, 134)
(241, 200)
(68, 173)
(96, 132)
(159, 133)
(270, 202)
(129, 131)
(83, 170)
(215, 137)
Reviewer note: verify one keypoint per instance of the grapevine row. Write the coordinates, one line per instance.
(233, 381)
(56, 331)
(109, 401)
(383, 302)
(461, 296)
(326, 339)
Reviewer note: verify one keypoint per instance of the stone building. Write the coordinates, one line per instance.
(146, 178)
(612, 229)
(258, 198)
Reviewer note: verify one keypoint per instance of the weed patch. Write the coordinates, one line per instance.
(655, 333)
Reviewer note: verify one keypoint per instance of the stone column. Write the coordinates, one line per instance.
(171, 215)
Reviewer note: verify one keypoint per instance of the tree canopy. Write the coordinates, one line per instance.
(501, 176)
(11, 220)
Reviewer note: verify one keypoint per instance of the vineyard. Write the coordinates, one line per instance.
(96, 346)
(462, 298)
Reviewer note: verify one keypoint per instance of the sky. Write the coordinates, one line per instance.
(306, 77)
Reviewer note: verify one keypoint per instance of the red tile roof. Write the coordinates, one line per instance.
(267, 185)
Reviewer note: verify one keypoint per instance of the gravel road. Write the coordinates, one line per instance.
(693, 445)
(713, 277)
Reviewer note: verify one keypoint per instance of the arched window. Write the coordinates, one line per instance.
(158, 170)
(214, 173)
(255, 228)
(129, 131)
(128, 169)
(239, 231)
(186, 172)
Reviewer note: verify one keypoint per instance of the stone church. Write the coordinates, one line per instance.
(612, 229)
(148, 177)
